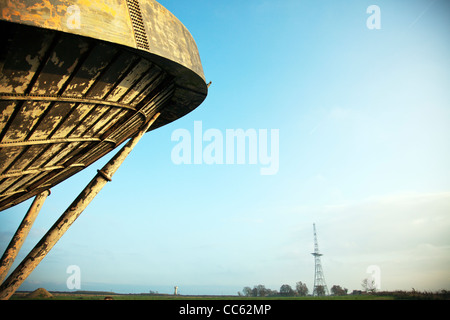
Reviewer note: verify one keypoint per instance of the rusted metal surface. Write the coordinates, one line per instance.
(115, 21)
(13, 282)
(71, 94)
(22, 232)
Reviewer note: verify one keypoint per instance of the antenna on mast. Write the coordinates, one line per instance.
(320, 287)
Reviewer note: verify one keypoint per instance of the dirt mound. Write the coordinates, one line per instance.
(40, 293)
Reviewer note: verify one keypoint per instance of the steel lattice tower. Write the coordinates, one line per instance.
(319, 279)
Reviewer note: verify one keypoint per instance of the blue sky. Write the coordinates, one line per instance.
(363, 118)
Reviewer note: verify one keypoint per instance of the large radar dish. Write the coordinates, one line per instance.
(78, 78)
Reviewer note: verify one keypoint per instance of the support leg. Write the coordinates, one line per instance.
(21, 234)
(36, 255)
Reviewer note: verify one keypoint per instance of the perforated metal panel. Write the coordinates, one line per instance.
(138, 24)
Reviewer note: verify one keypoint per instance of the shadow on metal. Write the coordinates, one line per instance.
(70, 95)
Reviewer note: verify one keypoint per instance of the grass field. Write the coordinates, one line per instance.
(397, 295)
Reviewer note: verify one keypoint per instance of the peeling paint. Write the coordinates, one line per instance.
(92, 83)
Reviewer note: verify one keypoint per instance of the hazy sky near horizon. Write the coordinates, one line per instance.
(363, 117)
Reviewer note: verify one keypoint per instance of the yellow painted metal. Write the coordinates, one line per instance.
(21, 234)
(78, 78)
(116, 21)
(13, 282)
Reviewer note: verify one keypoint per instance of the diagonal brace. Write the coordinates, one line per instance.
(14, 281)
(21, 234)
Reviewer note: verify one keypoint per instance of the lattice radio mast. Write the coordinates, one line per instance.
(320, 287)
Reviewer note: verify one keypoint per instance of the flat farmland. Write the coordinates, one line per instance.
(117, 296)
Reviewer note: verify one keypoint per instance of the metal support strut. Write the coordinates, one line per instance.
(21, 234)
(14, 281)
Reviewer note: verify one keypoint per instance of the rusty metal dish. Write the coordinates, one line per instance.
(70, 94)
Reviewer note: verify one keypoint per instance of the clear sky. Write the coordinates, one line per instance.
(363, 117)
